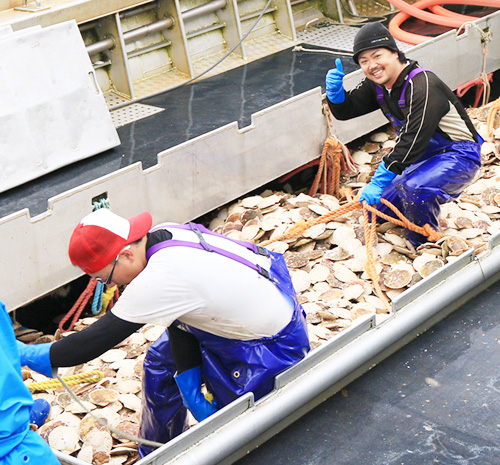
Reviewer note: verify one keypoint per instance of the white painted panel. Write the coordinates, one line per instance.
(52, 111)
(188, 181)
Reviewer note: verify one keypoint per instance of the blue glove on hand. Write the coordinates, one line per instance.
(373, 191)
(36, 357)
(189, 383)
(334, 83)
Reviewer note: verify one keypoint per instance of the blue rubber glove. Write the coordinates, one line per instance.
(373, 191)
(334, 83)
(40, 411)
(189, 383)
(36, 357)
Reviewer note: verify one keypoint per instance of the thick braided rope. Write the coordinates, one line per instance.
(331, 147)
(93, 376)
(426, 230)
(302, 226)
(370, 232)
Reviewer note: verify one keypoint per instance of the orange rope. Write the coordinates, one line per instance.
(490, 120)
(79, 305)
(370, 231)
(329, 161)
(334, 158)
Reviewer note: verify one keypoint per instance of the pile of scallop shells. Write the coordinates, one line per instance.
(327, 261)
(327, 265)
(115, 400)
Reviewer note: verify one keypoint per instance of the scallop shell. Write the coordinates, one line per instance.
(379, 137)
(454, 246)
(278, 246)
(338, 253)
(86, 454)
(397, 278)
(353, 291)
(103, 397)
(429, 267)
(250, 231)
(296, 260)
(153, 332)
(99, 440)
(129, 386)
(319, 273)
(64, 439)
(75, 407)
(344, 274)
(131, 401)
(129, 428)
(113, 355)
(361, 157)
(300, 280)
(251, 202)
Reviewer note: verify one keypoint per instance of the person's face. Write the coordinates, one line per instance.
(122, 270)
(381, 66)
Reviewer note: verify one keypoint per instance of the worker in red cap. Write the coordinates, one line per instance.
(232, 315)
(437, 152)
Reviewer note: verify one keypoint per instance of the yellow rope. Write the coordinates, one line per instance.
(93, 376)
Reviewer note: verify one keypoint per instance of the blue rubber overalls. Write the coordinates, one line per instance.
(230, 367)
(18, 444)
(441, 174)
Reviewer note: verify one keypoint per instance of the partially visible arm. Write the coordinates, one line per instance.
(93, 341)
(185, 349)
(426, 105)
(358, 101)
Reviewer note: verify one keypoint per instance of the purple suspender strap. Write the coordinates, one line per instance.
(402, 98)
(203, 245)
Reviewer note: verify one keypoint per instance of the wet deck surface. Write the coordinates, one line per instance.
(435, 401)
(190, 111)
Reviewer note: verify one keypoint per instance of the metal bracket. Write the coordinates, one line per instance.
(37, 6)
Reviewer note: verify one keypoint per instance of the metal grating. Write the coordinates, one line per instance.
(113, 99)
(132, 112)
(335, 36)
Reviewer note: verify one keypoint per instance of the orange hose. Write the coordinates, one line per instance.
(445, 17)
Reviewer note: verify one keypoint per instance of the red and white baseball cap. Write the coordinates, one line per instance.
(101, 235)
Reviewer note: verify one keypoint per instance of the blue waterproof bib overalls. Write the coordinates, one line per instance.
(441, 174)
(230, 367)
(18, 444)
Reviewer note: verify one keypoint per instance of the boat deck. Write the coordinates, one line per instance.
(188, 112)
(433, 401)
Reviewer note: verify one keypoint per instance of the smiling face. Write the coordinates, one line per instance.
(381, 65)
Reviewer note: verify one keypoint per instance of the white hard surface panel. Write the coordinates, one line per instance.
(52, 111)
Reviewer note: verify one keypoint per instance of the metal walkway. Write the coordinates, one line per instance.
(435, 401)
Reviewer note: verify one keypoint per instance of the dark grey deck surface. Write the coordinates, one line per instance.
(190, 111)
(435, 401)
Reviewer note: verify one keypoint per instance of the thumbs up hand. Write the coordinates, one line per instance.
(334, 83)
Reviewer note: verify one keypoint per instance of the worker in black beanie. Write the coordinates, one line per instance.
(437, 152)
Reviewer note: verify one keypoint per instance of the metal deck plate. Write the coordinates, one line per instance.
(335, 36)
(131, 113)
